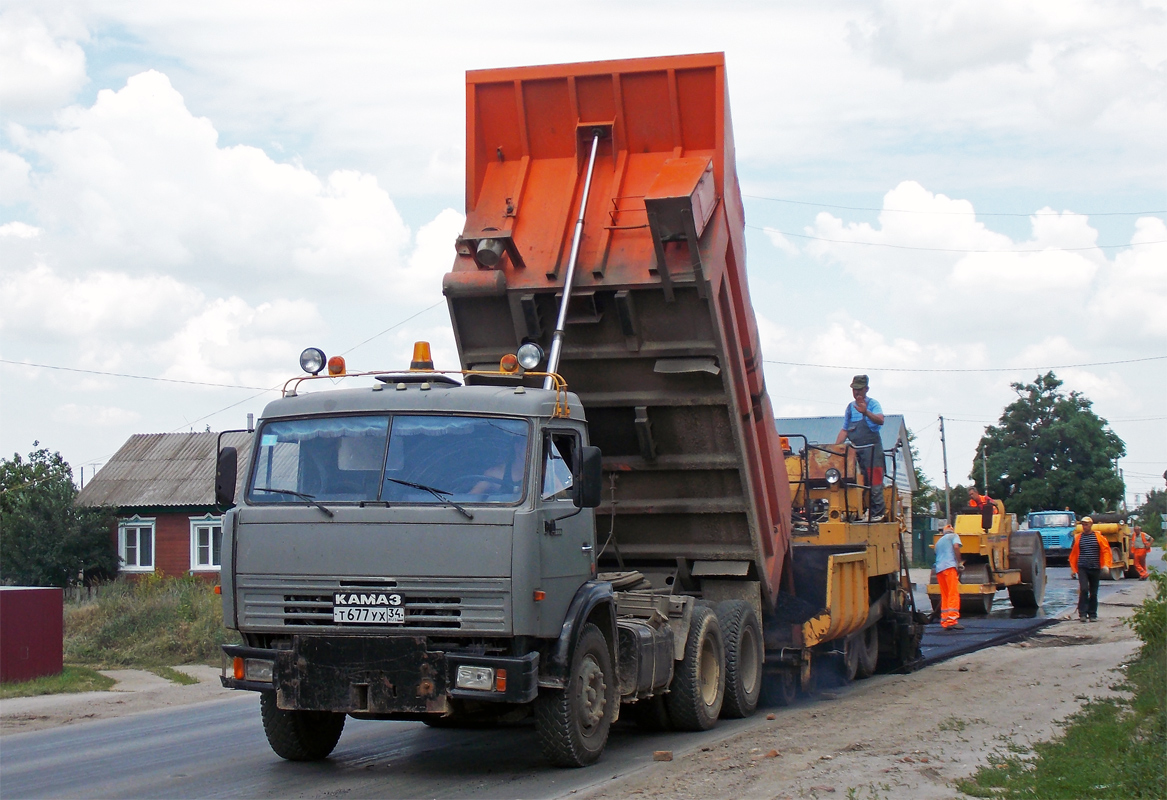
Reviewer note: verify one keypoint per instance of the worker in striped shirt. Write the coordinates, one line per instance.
(1088, 557)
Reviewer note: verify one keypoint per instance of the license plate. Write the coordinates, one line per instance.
(375, 608)
(369, 615)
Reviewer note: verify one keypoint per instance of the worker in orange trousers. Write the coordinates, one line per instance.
(949, 565)
(1140, 547)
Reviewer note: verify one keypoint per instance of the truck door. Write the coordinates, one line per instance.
(566, 533)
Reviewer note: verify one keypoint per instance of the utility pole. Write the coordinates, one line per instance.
(947, 490)
(985, 467)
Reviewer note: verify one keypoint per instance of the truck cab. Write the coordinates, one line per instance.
(1056, 529)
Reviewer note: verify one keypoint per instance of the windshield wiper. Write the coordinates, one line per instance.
(310, 498)
(441, 494)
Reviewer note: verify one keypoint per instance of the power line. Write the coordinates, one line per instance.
(126, 375)
(954, 249)
(982, 369)
(391, 327)
(960, 213)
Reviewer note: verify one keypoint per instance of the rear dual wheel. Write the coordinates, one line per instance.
(743, 658)
(697, 692)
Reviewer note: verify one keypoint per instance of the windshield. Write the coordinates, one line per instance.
(403, 459)
(1051, 520)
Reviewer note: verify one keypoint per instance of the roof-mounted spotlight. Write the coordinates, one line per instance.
(312, 360)
(530, 356)
(489, 252)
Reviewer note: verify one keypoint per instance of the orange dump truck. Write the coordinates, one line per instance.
(594, 514)
(617, 179)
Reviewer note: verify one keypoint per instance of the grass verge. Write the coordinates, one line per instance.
(1111, 748)
(154, 622)
(72, 679)
(174, 675)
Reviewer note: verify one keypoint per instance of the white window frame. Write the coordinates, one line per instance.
(137, 522)
(205, 521)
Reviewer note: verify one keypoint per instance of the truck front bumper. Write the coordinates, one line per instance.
(390, 675)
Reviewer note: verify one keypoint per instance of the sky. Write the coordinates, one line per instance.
(192, 193)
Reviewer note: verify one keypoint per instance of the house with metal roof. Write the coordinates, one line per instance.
(894, 433)
(161, 489)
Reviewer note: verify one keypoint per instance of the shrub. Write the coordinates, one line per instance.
(156, 621)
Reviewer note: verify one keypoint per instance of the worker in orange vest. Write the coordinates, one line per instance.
(1140, 547)
(1088, 557)
(949, 565)
(983, 504)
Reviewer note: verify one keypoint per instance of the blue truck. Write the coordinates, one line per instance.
(1057, 532)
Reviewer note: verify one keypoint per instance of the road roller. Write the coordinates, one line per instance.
(996, 556)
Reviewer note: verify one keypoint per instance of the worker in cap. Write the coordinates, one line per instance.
(1088, 557)
(983, 505)
(862, 421)
(1140, 548)
(949, 565)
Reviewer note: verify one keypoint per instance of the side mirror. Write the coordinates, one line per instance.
(587, 490)
(225, 474)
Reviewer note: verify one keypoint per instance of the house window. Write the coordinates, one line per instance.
(206, 543)
(136, 544)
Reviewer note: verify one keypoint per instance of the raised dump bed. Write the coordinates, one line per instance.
(661, 343)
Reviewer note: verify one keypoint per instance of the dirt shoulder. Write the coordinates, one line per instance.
(907, 735)
(135, 691)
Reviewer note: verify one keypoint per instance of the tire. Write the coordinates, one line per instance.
(780, 687)
(299, 735)
(573, 723)
(869, 654)
(1031, 592)
(651, 715)
(1116, 573)
(698, 689)
(743, 658)
(851, 646)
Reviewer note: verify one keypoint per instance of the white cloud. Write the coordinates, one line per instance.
(230, 341)
(39, 70)
(98, 416)
(781, 242)
(13, 178)
(139, 182)
(19, 230)
(41, 303)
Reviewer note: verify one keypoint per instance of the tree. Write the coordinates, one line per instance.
(44, 539)
(1049, 450)
(1151, 513)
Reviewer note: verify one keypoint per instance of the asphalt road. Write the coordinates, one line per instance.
(218, 749)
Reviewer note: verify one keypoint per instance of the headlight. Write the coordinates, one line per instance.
(530, 356)
(312, 360)
(833, 476)
(258, 669)
(480, 678)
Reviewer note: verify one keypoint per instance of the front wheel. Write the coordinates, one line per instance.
(299, 735)
(573, 723)
(698, 688)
